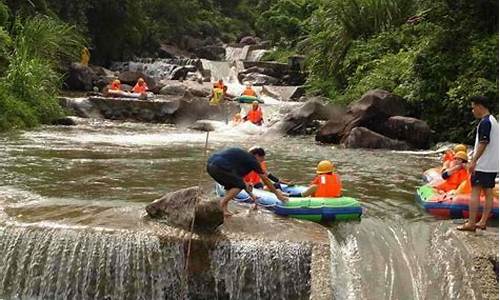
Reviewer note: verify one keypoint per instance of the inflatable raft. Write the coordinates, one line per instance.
(445, 205)
(249, 99)
(313, 209)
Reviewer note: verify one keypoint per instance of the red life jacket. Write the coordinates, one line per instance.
(328, 185)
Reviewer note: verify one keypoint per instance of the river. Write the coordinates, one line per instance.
(88, 174)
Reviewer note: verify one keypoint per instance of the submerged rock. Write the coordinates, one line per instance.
(180, 207)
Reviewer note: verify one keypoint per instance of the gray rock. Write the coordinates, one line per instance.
(174, 89)
(414, 131)
(248, 40)
(180, 207)
(361, 137)
(80, 78)
(259, 79)
(303, 120)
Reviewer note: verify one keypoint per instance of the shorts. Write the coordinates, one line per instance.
(483, 179)
(226, 178)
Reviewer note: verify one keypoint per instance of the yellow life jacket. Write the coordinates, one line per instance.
(217, 97)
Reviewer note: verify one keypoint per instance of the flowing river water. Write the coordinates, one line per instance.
(100, 173)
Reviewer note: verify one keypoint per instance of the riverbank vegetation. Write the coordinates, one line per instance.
(32, 53)
(435, 54)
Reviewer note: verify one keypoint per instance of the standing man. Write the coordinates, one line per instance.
(229, 166)
(484, 165)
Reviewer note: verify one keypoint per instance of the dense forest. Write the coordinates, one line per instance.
(435, 54)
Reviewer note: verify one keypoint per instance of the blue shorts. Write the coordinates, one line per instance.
(483, 179)
(226, 178)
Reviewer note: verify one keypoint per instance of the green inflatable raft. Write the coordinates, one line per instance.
(321, 209)
(249, 99)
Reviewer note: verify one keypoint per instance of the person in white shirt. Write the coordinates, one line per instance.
(484, 165)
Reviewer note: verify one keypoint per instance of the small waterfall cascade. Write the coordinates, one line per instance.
(44, 262)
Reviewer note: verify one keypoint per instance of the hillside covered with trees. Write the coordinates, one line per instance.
(435, 54)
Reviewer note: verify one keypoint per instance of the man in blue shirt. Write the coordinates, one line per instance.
(484, 164)
(229, 166)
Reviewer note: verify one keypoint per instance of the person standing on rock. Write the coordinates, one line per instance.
(484, 164)
(229, 166)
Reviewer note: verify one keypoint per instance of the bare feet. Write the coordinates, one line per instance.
(467, 227)
(481, 226)
(227, 214)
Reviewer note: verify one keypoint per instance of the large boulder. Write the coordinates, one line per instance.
(377, 105)
(361, 137)
(373, 109)
(303, 119)
(414, 131)
(174, 89)
(248, 40)
(180, 207)
(80, 78)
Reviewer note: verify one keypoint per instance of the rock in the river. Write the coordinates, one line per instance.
(180, 207)
(303, 119)
(80, 78)
(414, 131)
(361, 137)
(248, 40)
(258, 79)
(381, 112)
(174, 89)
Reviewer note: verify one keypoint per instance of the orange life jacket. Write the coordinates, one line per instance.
(255, 116)
(253, 178)
(140, 88)
(454, 181)
(249, 92)
(328, 185)
(217, 85)
(115, 86)
(448, 155)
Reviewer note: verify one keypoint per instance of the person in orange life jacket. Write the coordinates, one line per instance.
(449, 156)
(219, 84)
(116, 85)
(454, 175)
(229, 166)
(248, 91)
(255, 114)
(325, 184)
(253, 178)
(140, 87)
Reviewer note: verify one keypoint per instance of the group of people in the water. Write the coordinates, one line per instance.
(236, 170)
(115, 87)
(254, 115)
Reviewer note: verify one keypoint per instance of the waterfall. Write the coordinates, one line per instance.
(396, 260)
(59, 262)
(50, 263)
(156, 68)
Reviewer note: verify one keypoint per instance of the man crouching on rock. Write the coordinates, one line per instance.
(229, 166)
